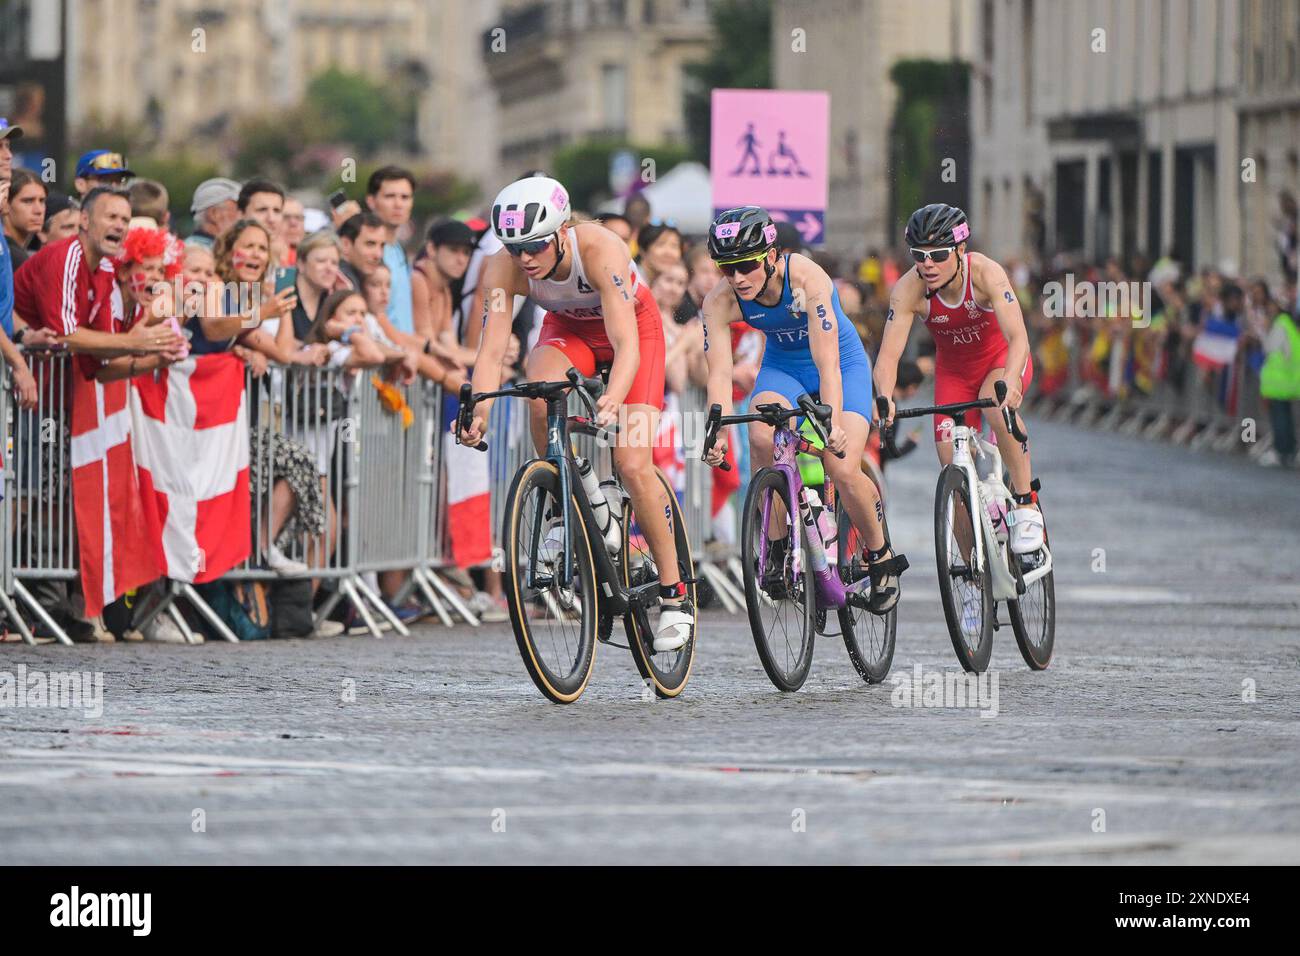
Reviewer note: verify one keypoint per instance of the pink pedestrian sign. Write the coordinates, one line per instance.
(769, 148)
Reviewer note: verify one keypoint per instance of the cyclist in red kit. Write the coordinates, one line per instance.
(967, 303)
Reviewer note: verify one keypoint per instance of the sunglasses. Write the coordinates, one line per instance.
(934, 255)
(109, 162)
(532, 247)
(744, 266)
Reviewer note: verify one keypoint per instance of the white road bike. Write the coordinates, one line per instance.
(979, 570)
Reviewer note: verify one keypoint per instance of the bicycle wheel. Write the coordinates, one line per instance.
(1033, 614)
(967, 595)
(667, 671)
(779, 595)
(869, 638)
(554, 627)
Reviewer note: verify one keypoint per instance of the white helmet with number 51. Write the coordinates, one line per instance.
(530, 209)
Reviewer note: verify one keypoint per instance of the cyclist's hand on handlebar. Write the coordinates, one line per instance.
(837, 441)
(607, 410)
(716, 455)
(475, 433)
(1013, 396)
(889, 417)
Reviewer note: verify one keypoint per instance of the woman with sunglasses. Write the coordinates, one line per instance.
(811, 347)
(598, 311)
(977, 339)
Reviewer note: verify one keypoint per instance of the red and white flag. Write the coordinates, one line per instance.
(112, 533)
(191, 431)
(469, 504)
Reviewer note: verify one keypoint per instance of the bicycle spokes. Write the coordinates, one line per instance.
(554, 609)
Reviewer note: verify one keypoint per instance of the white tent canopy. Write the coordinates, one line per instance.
(683, 194)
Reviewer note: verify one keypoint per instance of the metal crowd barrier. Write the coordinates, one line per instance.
(36, 522)
(383, 482)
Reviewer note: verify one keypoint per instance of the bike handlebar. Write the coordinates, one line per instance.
(1011, 419)
(588, 389)
(770, 414)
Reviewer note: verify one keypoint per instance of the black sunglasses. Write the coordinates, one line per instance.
(934, 255)
(744, 268)
(532, 247)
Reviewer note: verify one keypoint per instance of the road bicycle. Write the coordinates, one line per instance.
(567, 574)
(979, 570)
(801, 566)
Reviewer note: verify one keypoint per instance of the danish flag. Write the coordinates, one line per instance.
(191, 430)
(116, 552)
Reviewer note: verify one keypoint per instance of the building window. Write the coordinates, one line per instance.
(613, 90)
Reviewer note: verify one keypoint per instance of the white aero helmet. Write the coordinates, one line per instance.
(530, 209)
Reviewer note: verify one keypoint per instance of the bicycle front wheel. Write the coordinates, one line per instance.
(966, 592)
(778, 582)
(869, 638)
(554, 622)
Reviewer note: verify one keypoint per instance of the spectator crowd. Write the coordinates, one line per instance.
(100, 271)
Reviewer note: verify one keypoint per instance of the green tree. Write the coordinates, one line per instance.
(350, 108)
(741, 59)
(181, 174)
(584, 167)
(929, 126)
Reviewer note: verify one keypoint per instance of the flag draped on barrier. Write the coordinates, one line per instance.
(469, 513)
(191, 431)
(116, 553)
(1216, 344)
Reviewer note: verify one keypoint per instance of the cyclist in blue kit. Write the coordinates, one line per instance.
(811, 347)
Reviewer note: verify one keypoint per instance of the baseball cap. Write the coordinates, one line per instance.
(55, 203)
(9, 132)
(213, 192)
(102, 162)
(451, 232)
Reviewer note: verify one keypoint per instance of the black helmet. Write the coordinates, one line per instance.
(937, 224)
(741, 233)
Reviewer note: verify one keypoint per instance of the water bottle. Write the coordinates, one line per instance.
(825, 525)
(997, 509)
(819, 564)
(614, 498)
(605, 522)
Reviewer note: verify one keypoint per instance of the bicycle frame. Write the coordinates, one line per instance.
(829, 588)
(559, 452)
(969, 448)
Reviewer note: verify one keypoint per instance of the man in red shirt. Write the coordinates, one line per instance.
(64, 293)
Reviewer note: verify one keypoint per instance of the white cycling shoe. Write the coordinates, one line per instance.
(1026, 530)
(675, 623)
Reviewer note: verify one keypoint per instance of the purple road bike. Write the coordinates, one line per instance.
(803, 559)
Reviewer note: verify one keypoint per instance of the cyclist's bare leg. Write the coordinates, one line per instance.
(861, 499)
(545, 363)
(633, 458)
(1014, 455)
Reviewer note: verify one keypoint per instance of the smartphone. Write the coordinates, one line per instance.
(285, 278)
(337, 198)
